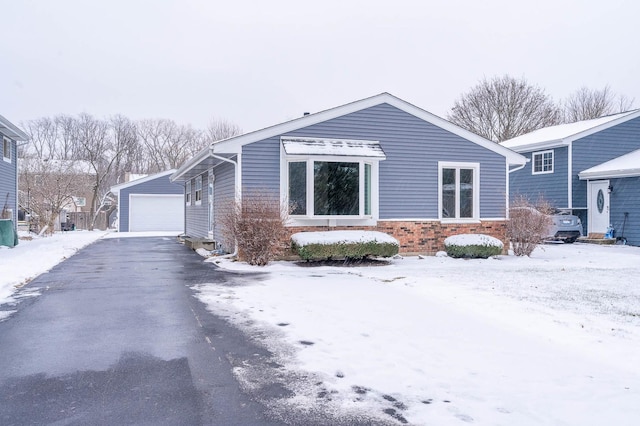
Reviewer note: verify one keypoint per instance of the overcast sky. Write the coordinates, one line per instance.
(258, 63)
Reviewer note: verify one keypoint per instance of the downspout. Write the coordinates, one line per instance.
(236, 171)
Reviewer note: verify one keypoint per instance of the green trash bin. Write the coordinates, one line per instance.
(8, 234)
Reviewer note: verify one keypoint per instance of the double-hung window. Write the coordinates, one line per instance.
(459, 189)
(542, 162)
(187, 193)
(198, 194)
(6, 149)
(331, 179)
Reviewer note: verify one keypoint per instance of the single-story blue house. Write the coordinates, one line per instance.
(585, 168)
(10, 135)
(379, 163)
(150, 203)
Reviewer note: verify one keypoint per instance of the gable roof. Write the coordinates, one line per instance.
(563, 134)
(117, 188)
(8, 129)
(627, 165)
(234, 144)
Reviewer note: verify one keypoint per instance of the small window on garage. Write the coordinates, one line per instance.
(6, 149)
(187, 193)
(542, 162)
(198, 195)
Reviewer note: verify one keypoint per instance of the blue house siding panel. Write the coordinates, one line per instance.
(261, 166)
(626, 198)
(552, 187)
(197, 217)
(223, 194)
(161, 185)
(598, 148)
(8, 177)
(409, 175)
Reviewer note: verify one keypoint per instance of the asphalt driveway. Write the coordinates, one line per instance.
(116, 337)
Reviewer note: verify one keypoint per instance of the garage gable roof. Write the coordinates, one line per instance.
(117, 188)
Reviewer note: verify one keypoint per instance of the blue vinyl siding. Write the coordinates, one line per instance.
(8, 178)
(552, 187)
(161, 185)
(223, 194)
(598, 148)
(626, 198)
(409, 176)
(197, 217)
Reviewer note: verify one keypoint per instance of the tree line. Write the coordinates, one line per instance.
(504, 107)
(67, 154)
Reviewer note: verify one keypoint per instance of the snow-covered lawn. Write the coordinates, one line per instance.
(553, 339)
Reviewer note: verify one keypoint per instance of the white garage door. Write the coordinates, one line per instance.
(156, 212)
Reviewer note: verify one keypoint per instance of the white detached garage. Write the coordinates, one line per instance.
(151, 203)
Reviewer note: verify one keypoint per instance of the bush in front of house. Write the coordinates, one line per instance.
(349, 245)
(473, 246)
(256, 226)
(528, 225)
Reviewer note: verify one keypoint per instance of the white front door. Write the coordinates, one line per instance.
(598, 206)
(210, 201)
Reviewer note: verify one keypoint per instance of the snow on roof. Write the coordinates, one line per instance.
(563, 133)
(624, 166)
(340, 147)
(335, 237)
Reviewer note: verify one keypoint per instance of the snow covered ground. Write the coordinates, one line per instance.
(553, 339)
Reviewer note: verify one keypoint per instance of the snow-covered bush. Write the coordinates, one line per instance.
(528, 225)
(473, 246)
(343, 245)
(257, 226)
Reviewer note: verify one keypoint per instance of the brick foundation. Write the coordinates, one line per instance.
(420, 237)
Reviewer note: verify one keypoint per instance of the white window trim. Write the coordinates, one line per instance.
(187, 191)
(6, 141)
(331, 220)
(542, 153)
(198, 202)
(476, 191)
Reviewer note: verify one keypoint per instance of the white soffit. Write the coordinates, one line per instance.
(333, 147)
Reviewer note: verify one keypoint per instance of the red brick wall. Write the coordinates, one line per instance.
(421, 237)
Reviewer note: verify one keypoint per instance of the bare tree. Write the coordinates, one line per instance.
(219, 129)
(503, 107)
(167, 145)
(101, 150)
(586, 104)
(47, 186)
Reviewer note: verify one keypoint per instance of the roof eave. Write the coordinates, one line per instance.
(606, 174)
(10, 130)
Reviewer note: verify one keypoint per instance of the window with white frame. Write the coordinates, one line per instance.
(542, 162)
(6, 149)
(322, 188)
(187, 193)
(198, 194)
(459, 190)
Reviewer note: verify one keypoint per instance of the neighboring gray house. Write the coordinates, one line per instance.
(584, 168)
(10, 135)
(151, 203)
(379, 163)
